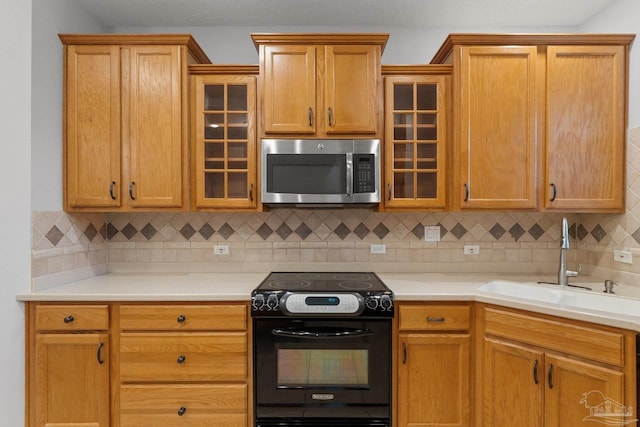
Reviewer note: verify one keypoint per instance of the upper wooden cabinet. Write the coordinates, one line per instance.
(540, 121)
(586, 125)
(320, 85)
(416, 136)
(223, 137)
(126, 103)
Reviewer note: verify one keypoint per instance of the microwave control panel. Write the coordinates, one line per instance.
(364, 173)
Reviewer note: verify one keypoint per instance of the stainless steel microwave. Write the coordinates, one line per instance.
(320, 172)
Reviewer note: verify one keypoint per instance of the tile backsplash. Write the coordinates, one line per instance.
(297, 239)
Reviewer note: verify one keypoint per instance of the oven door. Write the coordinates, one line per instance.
(321, 368)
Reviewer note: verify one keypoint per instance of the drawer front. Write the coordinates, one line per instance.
(175, 357)
(72, 317)
(434, 317)
(582, 341)
(184, 317)
(183, 405)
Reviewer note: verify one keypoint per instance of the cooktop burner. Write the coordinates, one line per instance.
(322, 294)
(322, 282)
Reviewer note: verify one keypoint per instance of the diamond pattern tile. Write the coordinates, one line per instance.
(284, 231)
(187, 231)
(598, 233)
(226, 231)
(516, 231)
(342, 231)
(361, 231)
(303, 231)
(582, 232)
(418, 231)
(90, 232)
(381, 231)
(111, 231)
(54, 235)
(536, 231)
(206, 231)
(458, 231)
(264, 231)
(129, 231)
(497, 231)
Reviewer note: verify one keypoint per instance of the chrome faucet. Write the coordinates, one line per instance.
(563, 273)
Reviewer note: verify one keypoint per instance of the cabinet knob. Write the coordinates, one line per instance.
(466, 192)
(251, 192)
(435, 319)
(99, 353)
(181, 318)
(310, 111)
(132, 184)
(181, 358)
(554, 193)
(330, 114)
(69, 319)
(181, 411)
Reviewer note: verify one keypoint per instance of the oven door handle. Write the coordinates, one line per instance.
(339, 333)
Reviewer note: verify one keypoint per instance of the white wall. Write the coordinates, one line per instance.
(623, 16)
(406, 45)
(15, 211)
(50, 18)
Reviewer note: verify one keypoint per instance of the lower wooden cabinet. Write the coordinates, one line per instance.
(537, 373)
(434, 353)
(68, 373)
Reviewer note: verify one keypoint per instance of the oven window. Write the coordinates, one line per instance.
(326, 367)
(307, 174)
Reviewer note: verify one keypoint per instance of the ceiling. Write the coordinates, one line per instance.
(403, 13)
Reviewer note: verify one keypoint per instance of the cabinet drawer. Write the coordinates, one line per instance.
(72, 317)
(200, 405)
(184, 317)
(434, 317)
(183, 356)
(579, 340)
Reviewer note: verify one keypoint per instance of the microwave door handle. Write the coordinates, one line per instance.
(301, 333)
(350, 172)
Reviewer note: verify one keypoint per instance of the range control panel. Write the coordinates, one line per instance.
(337, 304)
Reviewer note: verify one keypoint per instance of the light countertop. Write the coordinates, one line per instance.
(406, 287)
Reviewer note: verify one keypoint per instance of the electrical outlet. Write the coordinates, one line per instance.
(431, 233)
(378, 249)
(221, 250)
(623, 256)
(471, 249)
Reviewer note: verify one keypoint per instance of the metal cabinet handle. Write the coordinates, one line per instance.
(181, 318)
(99, 353)
(131, 185)
(330, 113)
(181, 358)
(435, 319)
(466, 192)
(555, 192)
(535, 371)
(404, 353)
(389, 192)
(251, 192)
(181, 411)
(310, 116)
(69, 319)
(550, 376)
(111, 188)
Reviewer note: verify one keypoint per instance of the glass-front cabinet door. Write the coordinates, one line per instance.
(415, 140)
(224, 142)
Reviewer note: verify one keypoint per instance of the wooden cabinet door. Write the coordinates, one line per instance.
(415, 141)
(496, 132)
(154, 134)
(576, 391)
(92, 127)
(71, 380)
(224, 142)
(289, 89)
(585, 118)
(433, 380)
(351, 86)
(513, 385)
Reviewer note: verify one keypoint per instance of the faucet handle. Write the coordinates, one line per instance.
(608, 286)
(572, 273)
